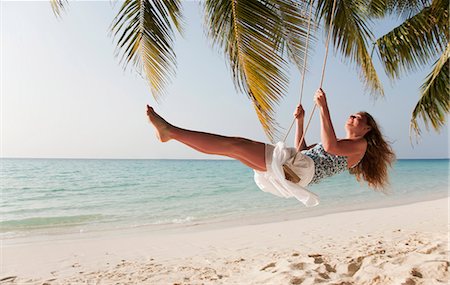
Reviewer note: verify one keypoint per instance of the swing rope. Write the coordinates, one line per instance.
(291, 175)
(304, 64)
(327, 44)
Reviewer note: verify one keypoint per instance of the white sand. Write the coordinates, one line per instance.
(399, 245)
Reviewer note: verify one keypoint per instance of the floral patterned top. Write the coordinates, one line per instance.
(325, 164)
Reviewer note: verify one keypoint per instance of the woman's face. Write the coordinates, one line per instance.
(357, 123)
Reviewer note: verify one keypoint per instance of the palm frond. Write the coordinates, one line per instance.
(147, 37)
(350, 33)
(295, 16)
(58, 6)
(248, 32)
(405, 9)
(416, 41)
(434, 103)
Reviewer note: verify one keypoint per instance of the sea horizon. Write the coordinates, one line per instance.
(59, 196)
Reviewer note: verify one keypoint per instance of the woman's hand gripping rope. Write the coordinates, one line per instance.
(320, 98)
(299, 113)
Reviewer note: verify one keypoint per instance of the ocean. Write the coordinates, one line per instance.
(41, 197)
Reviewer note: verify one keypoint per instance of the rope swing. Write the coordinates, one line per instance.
(288, 172)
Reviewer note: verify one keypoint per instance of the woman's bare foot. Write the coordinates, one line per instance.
(162, 127)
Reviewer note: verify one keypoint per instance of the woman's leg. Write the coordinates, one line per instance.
(249, 152)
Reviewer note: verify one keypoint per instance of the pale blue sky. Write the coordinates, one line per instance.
(64, 94)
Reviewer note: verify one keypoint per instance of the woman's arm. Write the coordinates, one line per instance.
(299, 120)
(331, 144)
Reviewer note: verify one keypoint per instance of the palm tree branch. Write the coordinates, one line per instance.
(350, 34)
(58, 6)
(403, 8)
(415, 42)
(249, 33)
(146, 30)
(434, 103)
(295, 17)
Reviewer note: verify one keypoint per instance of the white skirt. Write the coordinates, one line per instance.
(273, 180)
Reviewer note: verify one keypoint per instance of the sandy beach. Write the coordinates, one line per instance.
(405, 244)
(130, 132)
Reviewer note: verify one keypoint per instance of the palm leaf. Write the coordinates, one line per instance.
(58, 6)
(416, 41)
(350, 34)
(434, 103)
(294, 17)
(147, 37)
(248, 32)
(403, 8)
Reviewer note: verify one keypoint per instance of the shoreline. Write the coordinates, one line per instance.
(404, 231)
(248, 219)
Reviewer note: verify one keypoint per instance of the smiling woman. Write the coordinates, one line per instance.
(378, 155)
(363, 152)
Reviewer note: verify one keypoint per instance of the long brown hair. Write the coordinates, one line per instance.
(373, 168)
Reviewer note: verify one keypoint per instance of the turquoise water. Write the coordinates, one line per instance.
(42, 196)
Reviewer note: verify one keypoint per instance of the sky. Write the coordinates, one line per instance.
(64, 94)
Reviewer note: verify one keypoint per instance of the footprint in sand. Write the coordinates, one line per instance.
(8, 279)
(272, 264)
(317, 258)
(324, 276)
(409, 281)
(436, 269)
(296, 280)
(416, 273)
(298, 266)
(428, 249)
(330, 268)
(354, 266)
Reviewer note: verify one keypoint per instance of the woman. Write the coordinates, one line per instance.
(363, 152)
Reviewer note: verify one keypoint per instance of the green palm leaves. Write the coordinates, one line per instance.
(413, 44)
(434, 103)
(257, 36)
(58, 6)
(259, 39)
(147, 37)
(252, 35)
(145, 32)
(350, 33)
